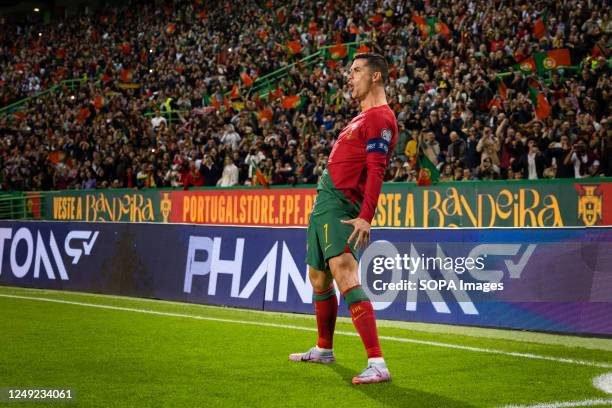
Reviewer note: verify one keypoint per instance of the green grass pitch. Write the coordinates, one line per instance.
(122, 352)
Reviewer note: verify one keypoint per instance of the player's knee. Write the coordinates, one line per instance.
(343, 264)
(344, 270)
(319, 280)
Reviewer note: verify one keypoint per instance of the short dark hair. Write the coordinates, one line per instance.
(377, 63)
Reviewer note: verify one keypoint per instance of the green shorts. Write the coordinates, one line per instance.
(327, 236)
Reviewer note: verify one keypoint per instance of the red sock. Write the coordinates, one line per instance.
(365, 323)
(326, 309)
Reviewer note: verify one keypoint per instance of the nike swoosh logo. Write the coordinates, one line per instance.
(327, 247)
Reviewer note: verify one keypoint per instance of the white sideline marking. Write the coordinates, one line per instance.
(472, 331)
(603, 383)
(344, 333)
(566, 404)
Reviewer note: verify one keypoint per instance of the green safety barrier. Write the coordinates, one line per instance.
(71, 83)
(22, 205)
(266, 83)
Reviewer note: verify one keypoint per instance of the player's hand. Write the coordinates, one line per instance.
(361, 232)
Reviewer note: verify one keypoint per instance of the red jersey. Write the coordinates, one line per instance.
(359, 158)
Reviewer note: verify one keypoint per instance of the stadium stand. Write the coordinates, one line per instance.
(193, 93)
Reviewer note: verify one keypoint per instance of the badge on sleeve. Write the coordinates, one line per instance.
(380, 144)
(386, 134)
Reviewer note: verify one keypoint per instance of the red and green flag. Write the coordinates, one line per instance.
(431, 26)
(262, 34)
(427, 173)
(376, 19)
(206, 101)
(277, 93)
(234, 93)
(171, 28)
(126, 75)
(99, 102)
(418, 20)
(502, 89)
(331, 94)
(338, 51)
(294, 46)
(549, 60)
(265, 114)
(257, 100)
(527, 66)
(363, 48)
(544, 61)
(260, 177)
(293, 102)
(126, 48)
(280, 16)
(82, 115)
(331, 64)
(496, 102)
(539, 26)
(351, 52)
(439, 27)
(598, 51)
(540, 103)
(312, 28)
(216, 103)
(246, 79)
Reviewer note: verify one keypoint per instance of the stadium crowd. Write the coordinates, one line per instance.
(197, 58)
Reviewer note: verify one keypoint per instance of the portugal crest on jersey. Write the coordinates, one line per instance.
(386, 134)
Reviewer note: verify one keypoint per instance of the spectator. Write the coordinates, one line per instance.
(209, 171)
(229, 177)
(253, 159)
(130, 178)
(472, 154)
(278, 175)
(488, 146)
(447, 173)
(411, 147)
(90, 181)
(402, 141)
(457, 147)
(487, 170)
(304, 170)
(158, 120)
(173, 177)
(320, 166)
(153, 179)
(531, 163)
(561, 154)
(230, 137)
(431, 147)
(193, 178)
(398, 171)
(467, 175)
(582, 162)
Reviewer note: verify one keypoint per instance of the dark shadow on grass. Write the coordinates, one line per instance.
(393, 395)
